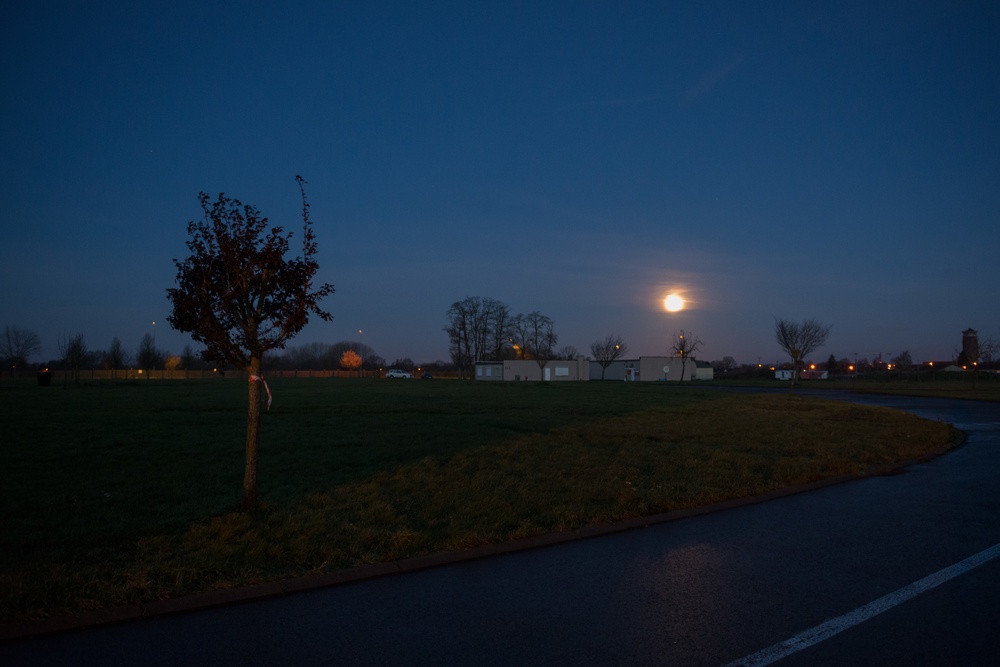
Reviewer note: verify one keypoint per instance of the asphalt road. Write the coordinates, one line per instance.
(895, 570)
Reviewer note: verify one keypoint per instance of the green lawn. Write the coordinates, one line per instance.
(986, 387)
(116, 494)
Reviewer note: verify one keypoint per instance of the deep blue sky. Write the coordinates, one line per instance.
(784, 159)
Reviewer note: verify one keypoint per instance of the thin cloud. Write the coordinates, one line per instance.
(615, 102)
(711, 80)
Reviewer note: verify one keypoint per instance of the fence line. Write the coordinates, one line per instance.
(87, 375)
(131, 374)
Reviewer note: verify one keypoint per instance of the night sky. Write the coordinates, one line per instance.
(839, 161)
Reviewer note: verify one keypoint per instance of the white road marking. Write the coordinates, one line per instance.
(824, 631)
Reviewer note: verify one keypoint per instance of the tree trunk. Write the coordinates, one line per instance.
(253, 436)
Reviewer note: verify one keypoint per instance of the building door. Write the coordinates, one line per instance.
(548, 374)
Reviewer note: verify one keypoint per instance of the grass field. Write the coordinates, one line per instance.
(117, 494)
(937, 385)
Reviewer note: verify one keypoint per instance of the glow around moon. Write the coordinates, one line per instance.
(673, 303)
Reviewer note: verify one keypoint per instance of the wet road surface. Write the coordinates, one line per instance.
(741, 586)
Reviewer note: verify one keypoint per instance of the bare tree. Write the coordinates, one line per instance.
(902, 361)
(608, 350)
(568, 352)
(73, 350)
(478, 330)
(147, 356)
(463, 336)
(405, 364)
(116, 357)
(518, 335)
(239, 295)
(685, 345)
(988, 349)
(538, 338)
(310, 356)
(17, 346)
(799, 340)
(498, 321)
(190, 360)
(725, 365)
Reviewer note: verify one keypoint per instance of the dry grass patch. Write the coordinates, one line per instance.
(596, 468)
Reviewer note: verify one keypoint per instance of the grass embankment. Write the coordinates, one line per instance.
(116, 494)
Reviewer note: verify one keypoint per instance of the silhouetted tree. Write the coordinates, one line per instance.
(725, 365)
(608, 350)
(115, 358)
(190, 361)
(799, 340)
(310, 356)
(462, 320)
(438, 366)
(685, 345)
(74, 353)
(239, 295)
(370, 360)
(405, 364)
(568, 352)
(988, 349)
(537, 338)
(903, 361)
(831, 364)
(17, 346)
(147, 356)
(465, 331)
(498, 319)
(478, 330)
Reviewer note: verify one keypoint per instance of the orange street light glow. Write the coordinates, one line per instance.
(673, 303)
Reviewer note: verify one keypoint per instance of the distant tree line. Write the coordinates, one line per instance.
(345, 355)
(472, 329)
(18, 346)
(323, 356)
(486, 329)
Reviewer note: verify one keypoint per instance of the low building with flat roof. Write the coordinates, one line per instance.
(516, 370)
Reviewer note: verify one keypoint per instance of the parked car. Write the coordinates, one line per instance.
(426, 376)
(396, 373)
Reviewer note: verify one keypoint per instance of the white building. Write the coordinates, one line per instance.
(648, 369)
(512, 370)
(643, 369)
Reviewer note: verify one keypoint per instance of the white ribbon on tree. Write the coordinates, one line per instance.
(260, 378)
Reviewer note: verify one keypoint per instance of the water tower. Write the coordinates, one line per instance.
(970, 346)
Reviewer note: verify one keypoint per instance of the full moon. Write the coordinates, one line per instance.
(673, 303)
